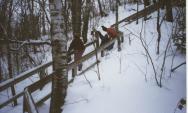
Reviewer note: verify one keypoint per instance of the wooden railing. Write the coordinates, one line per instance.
(42, 82)
(37, 85)
(13, 81)
(146, 11)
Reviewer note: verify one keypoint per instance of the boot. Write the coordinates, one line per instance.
(80, 67)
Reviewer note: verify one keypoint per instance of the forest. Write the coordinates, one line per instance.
(104, 56)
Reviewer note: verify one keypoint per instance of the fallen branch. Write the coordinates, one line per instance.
(172, 70)
(87, 80)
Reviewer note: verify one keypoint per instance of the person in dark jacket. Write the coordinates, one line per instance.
(78, 47)
(104, 39)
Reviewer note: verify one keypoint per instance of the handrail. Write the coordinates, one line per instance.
(4, 85)
(11, 99)
(146, 11)
(10, 82)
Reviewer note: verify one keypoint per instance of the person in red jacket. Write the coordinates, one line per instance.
(110, 31)
(78, 47)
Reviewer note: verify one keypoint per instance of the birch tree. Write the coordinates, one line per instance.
(59, 54)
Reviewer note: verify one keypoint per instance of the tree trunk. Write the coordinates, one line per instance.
(158, 30)
(43, 18)
(66, 15)
(86, 21)
(146, 3)
(10, 70)
(137, 11)
(9, 55)
(59, 56)
(169, 16)
(76, 16)
(162, 3)
(1, 73)
(100, 9)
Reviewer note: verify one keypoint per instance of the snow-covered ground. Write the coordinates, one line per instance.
(127, 82)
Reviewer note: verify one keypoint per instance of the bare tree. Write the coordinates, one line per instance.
(86, 20)
(169, 16)
(76, 16)
(43, 17)
(158, 30)
(59, 54)
(102, 13)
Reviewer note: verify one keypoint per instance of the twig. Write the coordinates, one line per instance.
(146, 50)
(172, 63)
(164, 59)
(87, 80)
(86, 100)
(172, 70)
(98, 72)
(32, 42)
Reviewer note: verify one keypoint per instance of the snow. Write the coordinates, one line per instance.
(127, 82)
(124, 87)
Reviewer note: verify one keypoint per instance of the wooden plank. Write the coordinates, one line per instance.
(49, 95)
(37, 85)
(47, 79)
(10, 82)
(140, 14)
(43, 99)
(32, 87)
(4, 85)
(11, 99)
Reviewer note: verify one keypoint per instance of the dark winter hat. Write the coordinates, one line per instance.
(104, 28)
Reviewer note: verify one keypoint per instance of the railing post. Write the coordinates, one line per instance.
(102, 53)
(24, 104)
(74, 71)
(119, 43)
(121, 36)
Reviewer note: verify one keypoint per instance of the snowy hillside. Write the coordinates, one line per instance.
(127, 82)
